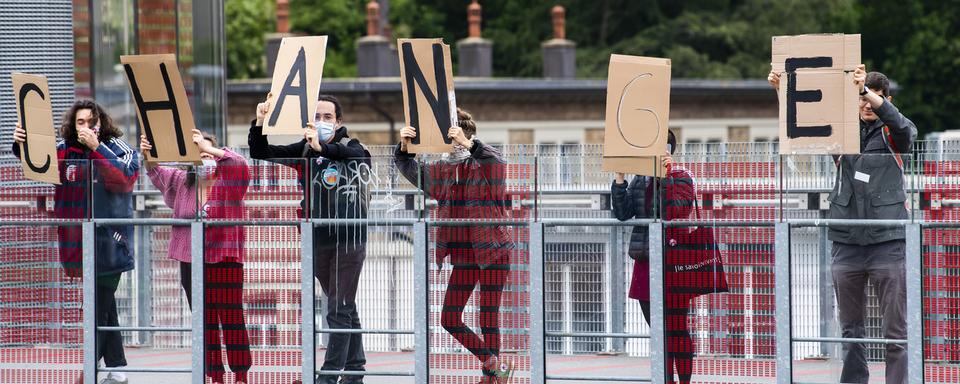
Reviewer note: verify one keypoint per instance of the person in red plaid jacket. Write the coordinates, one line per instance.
(98, 167)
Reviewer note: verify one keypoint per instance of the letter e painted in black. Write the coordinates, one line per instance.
(438, 102)
(144, 106)
(24, 90)
(299, 68)
(812, 96)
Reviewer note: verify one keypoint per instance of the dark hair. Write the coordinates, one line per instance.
(672, 140)
(877, 81)
(336, 105)
(465, 122)
(68, 128)
(191, 179)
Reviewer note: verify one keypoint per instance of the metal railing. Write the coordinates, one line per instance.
(538, 333)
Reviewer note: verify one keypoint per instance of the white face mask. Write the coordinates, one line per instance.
(208, 169)
(324, 130)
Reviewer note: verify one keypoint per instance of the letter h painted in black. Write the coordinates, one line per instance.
(146, 106)
(811, 96)
(438, 102)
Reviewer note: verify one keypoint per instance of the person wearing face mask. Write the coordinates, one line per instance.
(214, 191)
(871, 186)
(334, 170)
(468, 183)
(98, 167)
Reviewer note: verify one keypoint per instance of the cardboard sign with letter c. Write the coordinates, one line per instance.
(38, 153)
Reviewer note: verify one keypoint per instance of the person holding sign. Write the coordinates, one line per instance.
(218, 186)
(334, 169)
(91, 148)
(871, 186)
(468, 183)
(677, 200)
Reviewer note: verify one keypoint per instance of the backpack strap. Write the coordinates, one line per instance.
(892, 146)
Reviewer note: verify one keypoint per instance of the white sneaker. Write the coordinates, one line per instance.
(111, 379)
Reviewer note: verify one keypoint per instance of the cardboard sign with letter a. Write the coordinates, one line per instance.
(818, 100)
(638, 115)
(430, 105)
(38, 154)
(296, 85)
(162, 107)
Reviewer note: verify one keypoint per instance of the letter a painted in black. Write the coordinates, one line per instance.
(169, 104)
(299, 68)
(438, 102)
(812, 96)
(23, 123)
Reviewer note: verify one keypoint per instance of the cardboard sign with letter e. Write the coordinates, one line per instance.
(38, 154)
(638, 115)
(296, 85)
(818, 100)
(162, 107)
(430, 105)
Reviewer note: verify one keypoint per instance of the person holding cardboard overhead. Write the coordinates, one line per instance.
(692, 264)
(334, 169)
(469, 184)
(90, 147)
(220, 183)
(871, 186)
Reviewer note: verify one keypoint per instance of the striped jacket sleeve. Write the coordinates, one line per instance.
(118, 163)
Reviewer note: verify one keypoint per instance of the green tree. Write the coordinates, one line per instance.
(343, 21)
(247, 22)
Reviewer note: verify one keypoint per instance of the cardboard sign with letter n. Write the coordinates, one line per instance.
(162, 107)
(430, 105)
(818, 100)
(296, 85)
(38, 153)
(638, 115)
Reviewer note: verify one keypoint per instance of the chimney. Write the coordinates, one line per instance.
(476, 53)
(375, 56)
(559, 54)
(272, 45)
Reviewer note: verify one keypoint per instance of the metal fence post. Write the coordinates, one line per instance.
(914, 272)
(421, 307)
(144, 283)
(657, 339)
(89, 303)
(617, 286)
(308, 329)
(538, 362)
(784, 327)
(198, 346)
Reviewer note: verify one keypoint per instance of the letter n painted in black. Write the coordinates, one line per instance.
(169, 104)
(438, 102)
(299, 68)
(812, 96)
(23, 123)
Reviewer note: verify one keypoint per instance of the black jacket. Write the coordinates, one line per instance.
(337, 182)
(871, 185)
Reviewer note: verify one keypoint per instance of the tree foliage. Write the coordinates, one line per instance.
(247, 22)
(916, 43)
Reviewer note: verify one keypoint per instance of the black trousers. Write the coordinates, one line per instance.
(109, 343)
(338, 271)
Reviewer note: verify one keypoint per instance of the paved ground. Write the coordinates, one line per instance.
(283, 370)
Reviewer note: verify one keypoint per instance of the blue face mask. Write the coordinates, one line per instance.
(325, 130)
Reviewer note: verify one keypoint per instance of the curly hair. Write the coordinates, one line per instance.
(68, 128)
